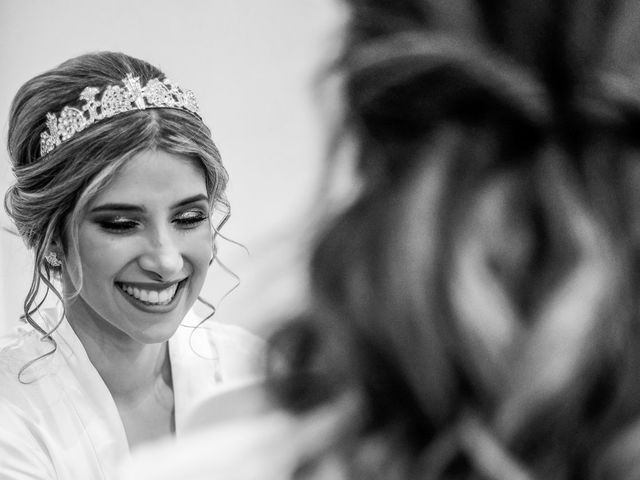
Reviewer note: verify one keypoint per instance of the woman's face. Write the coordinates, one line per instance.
(144, 247)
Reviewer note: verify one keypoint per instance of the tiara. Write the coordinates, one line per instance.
(115, 100)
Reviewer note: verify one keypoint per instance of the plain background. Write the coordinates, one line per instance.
(252, 64)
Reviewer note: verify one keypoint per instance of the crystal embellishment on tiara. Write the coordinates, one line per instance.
(115, 100)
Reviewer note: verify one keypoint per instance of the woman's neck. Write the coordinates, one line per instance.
(128, 368)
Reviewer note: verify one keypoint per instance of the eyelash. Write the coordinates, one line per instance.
(117, 224)
(191, 219)
(186, 221)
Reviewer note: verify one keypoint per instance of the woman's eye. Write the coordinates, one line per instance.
(118, 225)
(191, 218)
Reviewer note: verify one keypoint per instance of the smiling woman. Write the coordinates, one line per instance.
(117, 182)
(144, 247)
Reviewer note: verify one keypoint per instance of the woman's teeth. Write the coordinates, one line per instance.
(152, 297)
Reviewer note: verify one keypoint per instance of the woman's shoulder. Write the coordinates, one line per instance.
(242, 354)
(235, 355)
(19, 347)
(17, 336)
(224, 337)
(24, 342)
(235, 335)
(23, 365)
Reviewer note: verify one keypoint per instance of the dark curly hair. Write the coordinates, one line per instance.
(480, 293)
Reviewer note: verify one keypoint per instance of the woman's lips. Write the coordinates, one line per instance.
(151, 294)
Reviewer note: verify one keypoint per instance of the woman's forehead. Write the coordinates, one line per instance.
(154, 176)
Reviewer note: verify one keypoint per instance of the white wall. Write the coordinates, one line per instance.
(250, 63)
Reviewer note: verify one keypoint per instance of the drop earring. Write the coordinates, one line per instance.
(52, 259)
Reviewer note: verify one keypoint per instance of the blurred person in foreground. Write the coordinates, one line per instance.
(474, 310)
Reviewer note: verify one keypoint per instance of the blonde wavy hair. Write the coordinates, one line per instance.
(50, 192)
(480, 293)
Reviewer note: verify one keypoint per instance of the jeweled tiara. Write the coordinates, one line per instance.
(115, 100)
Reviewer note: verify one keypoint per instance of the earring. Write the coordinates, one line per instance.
(52, 259)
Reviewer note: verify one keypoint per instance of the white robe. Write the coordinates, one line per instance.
(65, 425)
(241, 435)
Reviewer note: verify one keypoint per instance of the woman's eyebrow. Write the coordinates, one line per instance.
(128, 207)
(117, 207)
(194, 199)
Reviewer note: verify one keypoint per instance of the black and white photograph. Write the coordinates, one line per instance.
(320, 240)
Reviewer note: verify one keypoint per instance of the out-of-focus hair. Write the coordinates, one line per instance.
(50, 192)
(480, 293)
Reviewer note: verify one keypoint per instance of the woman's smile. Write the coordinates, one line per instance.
(158, 294)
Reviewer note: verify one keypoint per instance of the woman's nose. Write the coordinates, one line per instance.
(162, 256)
